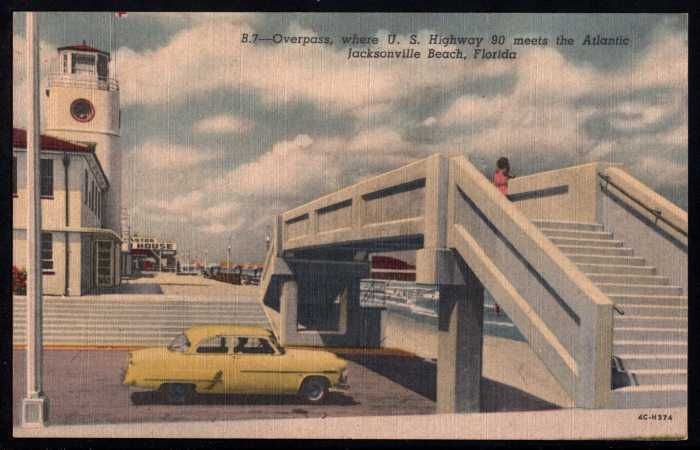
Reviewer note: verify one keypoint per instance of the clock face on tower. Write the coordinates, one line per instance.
(82, 110)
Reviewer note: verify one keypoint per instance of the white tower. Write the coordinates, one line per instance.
(83, 106)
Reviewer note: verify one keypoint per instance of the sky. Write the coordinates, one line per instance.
(219, 136)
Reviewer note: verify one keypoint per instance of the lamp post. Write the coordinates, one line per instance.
(35, 404)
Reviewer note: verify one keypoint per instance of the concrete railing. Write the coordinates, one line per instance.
(563, 194)
(387, 206)
(566, 319)
(656, 228)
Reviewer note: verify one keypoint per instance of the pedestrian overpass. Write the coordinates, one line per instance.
(589, 263)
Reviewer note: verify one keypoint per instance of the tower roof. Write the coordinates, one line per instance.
(83, 48)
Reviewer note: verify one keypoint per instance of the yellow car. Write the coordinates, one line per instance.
(221, 359)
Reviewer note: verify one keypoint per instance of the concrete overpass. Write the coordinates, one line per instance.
(551, 255)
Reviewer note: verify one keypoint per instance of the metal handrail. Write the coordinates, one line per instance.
(657, 213)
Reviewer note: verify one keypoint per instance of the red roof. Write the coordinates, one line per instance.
(19, 140)
(82, 48)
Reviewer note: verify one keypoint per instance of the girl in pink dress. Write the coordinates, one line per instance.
(502, 175)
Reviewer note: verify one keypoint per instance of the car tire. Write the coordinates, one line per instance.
(314, 390)
(177, 393)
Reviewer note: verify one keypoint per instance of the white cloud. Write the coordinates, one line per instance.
(660, 172)
(282, 73)
(181, 205)
(161, 155)
(47, 63)
(223, 124)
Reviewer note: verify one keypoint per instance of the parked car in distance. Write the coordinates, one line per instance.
(188, 269)
(221, 359)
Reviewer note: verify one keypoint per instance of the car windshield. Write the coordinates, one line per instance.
(179, 344)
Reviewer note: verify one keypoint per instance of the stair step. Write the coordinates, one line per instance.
(651, 396)
(645, 347)
(633, 361)
(661, 376)
(649, 280)
(566, 225)
(629, 320)
(586, 242)
(651, 300)
(614, 260)
(617, 269)
(642, 289)
(549, 232)
(634, 309)
(650, 333)
(599, 251)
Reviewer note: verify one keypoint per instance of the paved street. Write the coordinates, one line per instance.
(84, 386)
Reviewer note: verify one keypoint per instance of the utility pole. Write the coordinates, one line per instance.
(35, 404)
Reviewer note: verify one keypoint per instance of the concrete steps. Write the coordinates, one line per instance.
(649, 280)
(617, 269)
(650, 300)
(651, 396)
(661, 376)
(566, 225)
(641, 289)
(651, 339)
(646, 346)
(586, 242)
(133, 322)
(590, 250)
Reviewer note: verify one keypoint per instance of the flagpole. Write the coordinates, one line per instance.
(35, 404)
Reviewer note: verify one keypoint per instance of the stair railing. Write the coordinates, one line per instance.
(656, 212)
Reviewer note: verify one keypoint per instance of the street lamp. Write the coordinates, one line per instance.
(35, 404)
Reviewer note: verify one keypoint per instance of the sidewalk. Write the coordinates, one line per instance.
(545, 425)
(161, 287)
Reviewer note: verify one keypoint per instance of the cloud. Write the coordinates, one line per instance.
(47, 64)
(282, 73)
(155, 154)
(181, 205)
(223, 124)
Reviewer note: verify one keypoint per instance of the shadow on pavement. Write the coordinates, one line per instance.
(420, 376)
(156, 398)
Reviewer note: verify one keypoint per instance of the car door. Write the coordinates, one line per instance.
(213, 358)
(258, 368)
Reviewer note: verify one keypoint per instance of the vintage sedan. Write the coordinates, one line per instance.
(220, 359)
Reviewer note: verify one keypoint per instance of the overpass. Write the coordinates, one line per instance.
(589, 263)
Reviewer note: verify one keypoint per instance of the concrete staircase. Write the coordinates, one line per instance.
(153, 321)
(650, 341)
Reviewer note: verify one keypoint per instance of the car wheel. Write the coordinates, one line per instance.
(177, 394)
(315, 390)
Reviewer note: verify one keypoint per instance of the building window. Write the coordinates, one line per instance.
(99, 204)
(85, 188)
(14, 175)
(65, 63)
(83, 63)
(47, 251)
(47, 177)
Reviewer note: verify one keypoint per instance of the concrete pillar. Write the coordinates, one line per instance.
(289, 299)
(460, 343)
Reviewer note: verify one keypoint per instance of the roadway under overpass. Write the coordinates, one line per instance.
(468, 238)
